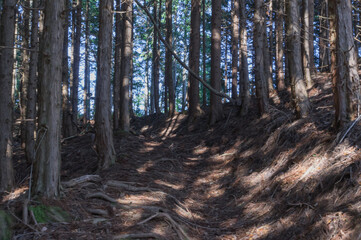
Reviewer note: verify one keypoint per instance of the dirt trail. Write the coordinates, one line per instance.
(272, 177)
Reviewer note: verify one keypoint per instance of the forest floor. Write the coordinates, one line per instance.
(270, 177)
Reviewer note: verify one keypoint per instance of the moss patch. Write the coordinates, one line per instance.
(48, 214)
(5, 225)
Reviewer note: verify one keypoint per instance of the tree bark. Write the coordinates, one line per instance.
(243, 60)
(298, 88)
(204, 51)
(117, 66)
(260, 75)
(216, 113)
(306, 54)
(280, 78)
(311, 4)
(194, 53)
(7, 38)
(103, 135)
(47, 164)
(31, 101)
(346, 82)
(169, 59)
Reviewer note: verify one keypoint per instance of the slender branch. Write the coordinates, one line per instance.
(218, 93)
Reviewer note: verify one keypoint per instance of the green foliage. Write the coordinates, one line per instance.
(5, 225)
(48, 214)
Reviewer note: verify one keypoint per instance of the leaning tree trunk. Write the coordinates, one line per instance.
(103, 135)
(216, 101)
(31, 101)
(298, 88)
(260, 75)
(117, 66)
(168, 58)
(306, 54)
(7, 38)
(47, 164)
(126, 67)
(243, 60)
(194, 53)
(346, 82)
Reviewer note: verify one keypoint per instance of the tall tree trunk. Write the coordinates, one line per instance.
(86, 96)
(169, 59)
(25, 33)
(235, 39)
(47, 164)
(324, 36)
(66, 106)
(243, 60)
(268, 48)
(76, 63)
(216, 101)
(31, 101)
(126, 67)
(298, 88)
(260, 75)
(7, 38)
(346, 82)
(306, 54)
(311, 39)
(204, 51)
(225, 64)
(155, 65)
(280, 78)
(146, 100)
(103, 135)
(194, 53)
(117, 66)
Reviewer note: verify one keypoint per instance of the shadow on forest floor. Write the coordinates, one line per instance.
(273, 177)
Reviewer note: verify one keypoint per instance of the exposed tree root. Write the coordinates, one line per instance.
(178, 228)
(99, 212)
(138, 235)
(101, 196)
(82, 179)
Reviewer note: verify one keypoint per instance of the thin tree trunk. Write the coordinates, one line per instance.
(243, 60)
(76, 63)
(298, 88)
(155, 66)
(204, 51)
(31, 102)
(235, 40)
(86, 96)
(117, 66)
(7, 38)
(103, 136)
(66, 106)
(25, 71)
(194, 53)
(306, 54)
(280, 78)
(260, 75)
(169, 59)
(216, 101)
(324, 36)
(311, 4)
(126, 67)
(268, 49)
(47, 164)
